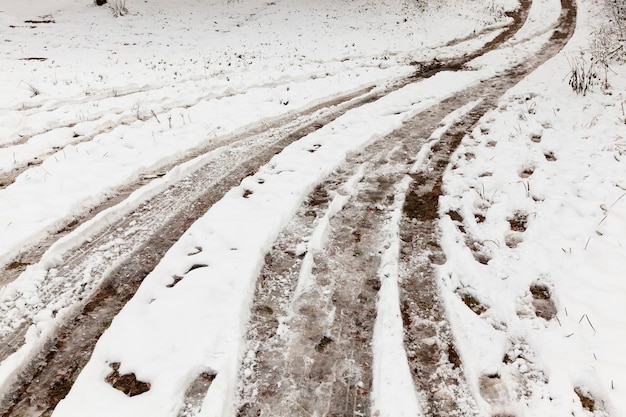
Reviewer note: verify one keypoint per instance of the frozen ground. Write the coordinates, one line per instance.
(531, 220)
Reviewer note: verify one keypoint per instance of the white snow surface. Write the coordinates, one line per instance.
(141, 90)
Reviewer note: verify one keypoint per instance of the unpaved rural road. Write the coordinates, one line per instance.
(325, 367)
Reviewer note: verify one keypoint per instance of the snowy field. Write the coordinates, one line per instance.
(532, 220)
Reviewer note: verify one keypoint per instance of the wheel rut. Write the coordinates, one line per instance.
(299, 342)
(314, 312)
(117, 260)
(277, 128)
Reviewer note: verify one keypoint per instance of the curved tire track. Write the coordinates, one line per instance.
(138, 240)
(300, 371)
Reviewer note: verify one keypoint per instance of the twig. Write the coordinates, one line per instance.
(588, 321)
(620, 197)
(155, 116)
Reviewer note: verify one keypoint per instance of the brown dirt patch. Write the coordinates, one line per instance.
(473, 303)
(587, 401)
(518, 222)
(421, 202)
(542, 301)
(127, 383)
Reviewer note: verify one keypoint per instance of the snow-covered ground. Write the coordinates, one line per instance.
(109, 99)
(535, 205)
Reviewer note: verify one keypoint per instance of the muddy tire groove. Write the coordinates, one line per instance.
(294, 374)
(33, 254)
(309, 350)
(437, 367)
(117, 284)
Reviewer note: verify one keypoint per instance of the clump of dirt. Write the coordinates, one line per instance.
(550, 156)
(542, 301)
(196, 266)
(422, 204)
(527, 172)
(196, 251)
(587, 401)
(16, 265)
(323, 344)
(454, 215)
(265, 310)
(37, 22)
(540, 291)
(319, 196)
(473, 303)
(453, 356)
(518, 222)
(507, 359)
(176, 280)
(127, 383)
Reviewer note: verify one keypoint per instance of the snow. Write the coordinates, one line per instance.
(143, 90)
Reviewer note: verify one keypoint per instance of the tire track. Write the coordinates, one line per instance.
(116, 261)
(298, 342)
(148, 99)
(276, 128)
(109, 116)
(312, 322)
(132, 247)
(437, 367)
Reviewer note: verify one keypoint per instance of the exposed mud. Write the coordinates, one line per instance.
(157, 227)
(309, 350)
(127, 383)
(519, 17)
(297, 373)
(267, 130)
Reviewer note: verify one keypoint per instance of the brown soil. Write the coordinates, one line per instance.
(542, 301)
(127, 383)
(76, 339)
(586, 400)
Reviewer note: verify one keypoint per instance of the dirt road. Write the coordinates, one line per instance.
(325, 296)
(323, 365)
